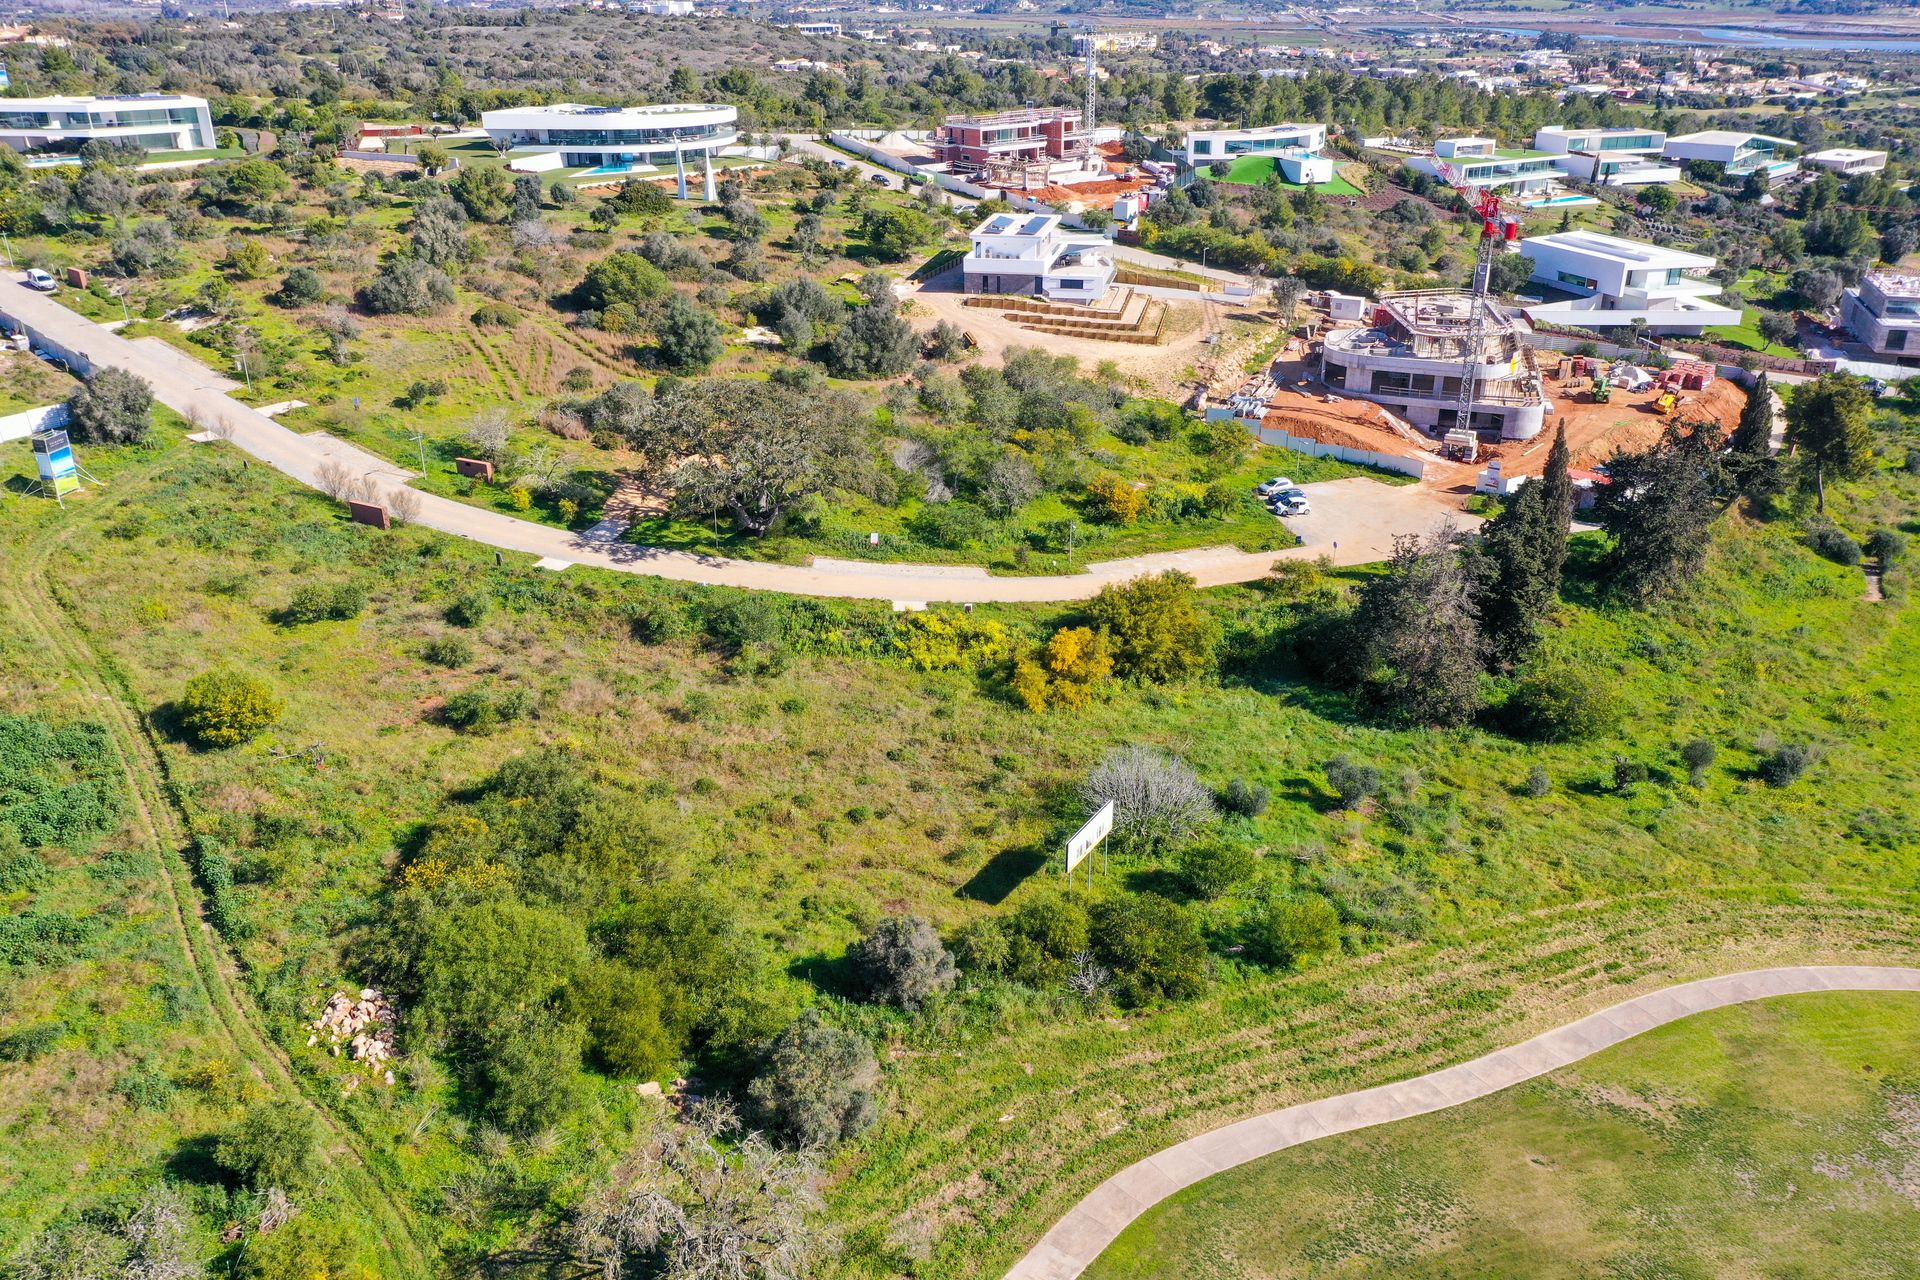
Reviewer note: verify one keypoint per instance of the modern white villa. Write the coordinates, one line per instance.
(1480, 163)
(1883, 313)
(1410, 358)
(1737, 153)
(1619, 282)
(1848, 162)
(1031, 253)
(616, 140)
(1295, 149)
(1608, 157)
(156, 122)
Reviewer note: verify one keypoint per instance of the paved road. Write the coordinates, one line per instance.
(1080, 1237)
(199, 395)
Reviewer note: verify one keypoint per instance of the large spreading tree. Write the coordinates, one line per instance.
(1415, 635)
(1828, 431)
(1659, 504)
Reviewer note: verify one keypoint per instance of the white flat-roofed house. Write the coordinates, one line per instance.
(1618, 281)
(60, 126)
(1848, 162)
(1737, 153)
(1481, 163)
(1295, 149)
(1883, 313)
(1608, 157)
(1031, 253)
(615, 140)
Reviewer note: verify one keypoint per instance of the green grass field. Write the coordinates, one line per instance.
(1254, 171)
(1773, 1139)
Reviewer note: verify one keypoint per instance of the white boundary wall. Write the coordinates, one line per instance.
(18, 426)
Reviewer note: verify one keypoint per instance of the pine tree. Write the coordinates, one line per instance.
(1527, 547)
(1659, 506)
(1827, 426)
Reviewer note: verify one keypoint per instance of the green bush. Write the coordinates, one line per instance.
(1152, 946)
(28, 1043)
(954, 525)
(1244, 799)
(227, 708)
(1833, 542)
(447, 651)
(317, 602)
(470, 610)
(1209, 868)
(1538, 782)
(36, 937)
(1783, 766)
(275, 1144)
(1563, 701)
(816, 1083)
(1290, 933)
(482, 710)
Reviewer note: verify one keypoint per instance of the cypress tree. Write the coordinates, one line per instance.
(1755, 431)
(1527, 545)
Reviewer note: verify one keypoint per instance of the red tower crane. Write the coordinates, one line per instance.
(1498, 227)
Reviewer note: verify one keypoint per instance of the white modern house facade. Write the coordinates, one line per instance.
(640, 141)
(1479, 164)
(1032, 254)
(1848, 162)
(1411, 356)
(1608, 157)
(1738, 154)
(1624, 283)
(1883, 313)
(156, 122)
(1295, 149)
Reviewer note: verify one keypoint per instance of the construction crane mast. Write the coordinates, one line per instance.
(1093, 97)
(1497, 228)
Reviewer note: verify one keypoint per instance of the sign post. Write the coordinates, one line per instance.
(1080, 844)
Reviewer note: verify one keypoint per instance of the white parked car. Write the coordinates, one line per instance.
(38, 279)
(1267, 488)
(1291, 504)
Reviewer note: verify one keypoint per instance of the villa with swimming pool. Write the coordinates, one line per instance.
(641, 141)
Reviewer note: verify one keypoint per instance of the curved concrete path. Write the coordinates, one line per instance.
(1372, 513)
(1080, 1237)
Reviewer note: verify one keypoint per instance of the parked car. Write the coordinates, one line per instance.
(1267, 488)
(882, 179)
(41, 280)
(1292, 506)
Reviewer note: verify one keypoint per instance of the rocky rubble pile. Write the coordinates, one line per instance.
(364, 1026)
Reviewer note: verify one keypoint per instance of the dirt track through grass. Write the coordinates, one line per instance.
(45, 619)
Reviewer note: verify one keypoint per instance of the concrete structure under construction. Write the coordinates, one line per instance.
(1032, 146)
(1883, 313)
(1620, 283)
(1031, 253)
(1411, 356)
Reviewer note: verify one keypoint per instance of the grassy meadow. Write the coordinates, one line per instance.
(1775, 1138)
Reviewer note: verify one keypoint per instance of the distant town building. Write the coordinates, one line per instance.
(1848, 162)
(1114, 42)
(1031, 253)
(829, 29)
(1619, 282)
(1409, 359)
(1883, 312)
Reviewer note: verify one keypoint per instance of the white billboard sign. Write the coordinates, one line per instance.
(1081, 842)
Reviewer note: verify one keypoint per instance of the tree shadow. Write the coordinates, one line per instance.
(1003, 873)
(829, 975)
(192, 1161)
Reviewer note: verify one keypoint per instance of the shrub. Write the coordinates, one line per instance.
(35, 937)
(1538, 783)
(317, 602)
(275, 1144)
(690, 337)
(1153, 947)
(470, 610)
(1157, 800)
(1698, 755)
(1244, 799)
(1833, 543)
(816, 1082)
(1562, 701)
(1783, 766)
(482, 710)
(1355, 784)
(1209, 868)
(623, 1013)
(301, 287)
(227, 708)
(28, 1043)
(447, 651)
(496, 315)
(407, 286)
(1066, 670)
(1627, 775)
(902, 962)
(950, 641)
(1116, 500)
(111, 407)
(1290, 933)
(1886, 545)
(1157, 628)
(622, 278)
(954, 525)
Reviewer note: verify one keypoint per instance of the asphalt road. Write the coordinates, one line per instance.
(1374, 510)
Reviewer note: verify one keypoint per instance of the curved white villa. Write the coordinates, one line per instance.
(615, 140)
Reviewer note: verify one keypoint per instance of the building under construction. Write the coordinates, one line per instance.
(1019, 150)
(1412, 355)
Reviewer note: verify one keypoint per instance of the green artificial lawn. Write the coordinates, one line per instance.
(1254, 171)
(1773, 1139)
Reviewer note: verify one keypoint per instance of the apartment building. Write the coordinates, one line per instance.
(1620, 283)
(1031, 253)
(1410, 359)
(1030, 135)
(1480, 163)
(156, 122)
(1883, 313)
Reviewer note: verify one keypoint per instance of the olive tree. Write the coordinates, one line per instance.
(903, 962)
(816, 1083)
(1158, 802)
(111, 407)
